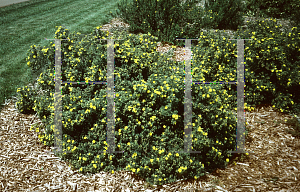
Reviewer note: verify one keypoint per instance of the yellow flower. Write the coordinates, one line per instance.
(134, 155)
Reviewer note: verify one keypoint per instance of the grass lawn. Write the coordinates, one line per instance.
(29, 23)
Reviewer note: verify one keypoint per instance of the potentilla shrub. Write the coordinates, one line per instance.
(166, 19)
(271, 63)
(277, 55)
(149, 111)
(25, 102)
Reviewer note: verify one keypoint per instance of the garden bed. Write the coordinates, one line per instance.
(26, 164)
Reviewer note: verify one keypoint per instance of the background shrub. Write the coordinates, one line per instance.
(229, 13)
(166, 19)
(275, 8)
(295, 14)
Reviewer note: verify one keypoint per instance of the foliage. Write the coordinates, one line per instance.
(26, 97)
(295, 15)
(149, 108)
(228, 13)
(166, 19)
(275, 8)
(273, 65)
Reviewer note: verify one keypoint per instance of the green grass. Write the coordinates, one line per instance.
(29, 23)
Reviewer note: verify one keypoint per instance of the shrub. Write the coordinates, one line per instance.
(229, 13)
(295, 14)
(272, 59)
(166, 19)
(275, 8)
(149, 106)
(33, 53)
(25, 102)
(271, 63)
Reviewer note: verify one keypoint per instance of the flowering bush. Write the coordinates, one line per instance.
(273, 71)
(271, 75)
(26, 97)
(149, 106)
